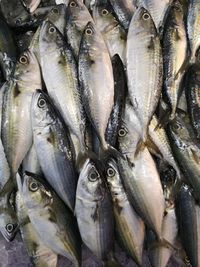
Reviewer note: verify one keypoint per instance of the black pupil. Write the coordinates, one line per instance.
(52, 29)
(55, 10)
(104, 12)
(23, 59)
(146, 16)
(42, 102)
(89, 31)
(93, 176)
(33, 186)
(9, 227)
(122, 132)
(73, 4)
(110, 172)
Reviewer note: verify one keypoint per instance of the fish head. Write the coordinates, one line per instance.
(103, 15)
(176, 11)
(35, 193)
(42, 112)
(8, 224)
(50, 39)
(143, 23)
(92, 40)
(27, 69)
(78, 15)
(113, 178)
(180, 127)
(91, 186)
(58, 16)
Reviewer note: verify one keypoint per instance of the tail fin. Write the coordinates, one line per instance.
(110, 151)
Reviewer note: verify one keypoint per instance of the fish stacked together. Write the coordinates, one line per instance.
(100, 130)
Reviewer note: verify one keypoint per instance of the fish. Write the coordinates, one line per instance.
(40, 254)
(161, 253)
(124, 11)
(51, 138)
(192, 91)
(144, 67)
(77, 18)
(129, 225)
(158, 10)
(186, 149)
(16, 131)
(54, 223)
(188, 212)
(174, 55)
(96, 81)
(31, 5)
(58, 17)
(113, 33)
(56, 57)
(140, 177)
(94, 212)
(8, 50)
(193, 31)
(120, 90)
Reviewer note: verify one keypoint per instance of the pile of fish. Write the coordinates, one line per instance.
(100, 130)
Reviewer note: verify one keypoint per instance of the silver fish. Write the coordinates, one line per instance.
(144, 67)
(16, 132)
(94, 211)
(53, 222)
(140, 178)
(96, 78)
(56, 57)
(129, 225)
(54, 148)
(113, 33)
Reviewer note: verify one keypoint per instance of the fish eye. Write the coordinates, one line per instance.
(23, 60)
(18, 21)
(94, 176)
(55, 10)
(122, 132)
(110, 172)
(145, 16)
(33, 186)
(89, 31)
(10, 227)
(52, 29)
(72, 4)
(104, 12)
(41, 103)
(177, 126)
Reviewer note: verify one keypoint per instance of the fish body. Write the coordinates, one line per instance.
(51, 138)
(96, 79)
(174, 54)
(188, 222)
(77, 18)
(113, 33)
(129, 225)
(193, 97)
(56, 57)
(51, 219)
(140, 177)
(16, 132)
(124, 11)
(144, 67)
(94, 211)
(186, 150)
(193, 31)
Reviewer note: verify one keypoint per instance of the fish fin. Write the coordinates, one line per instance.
(140, 146)
(195, 155)
(162, 243)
